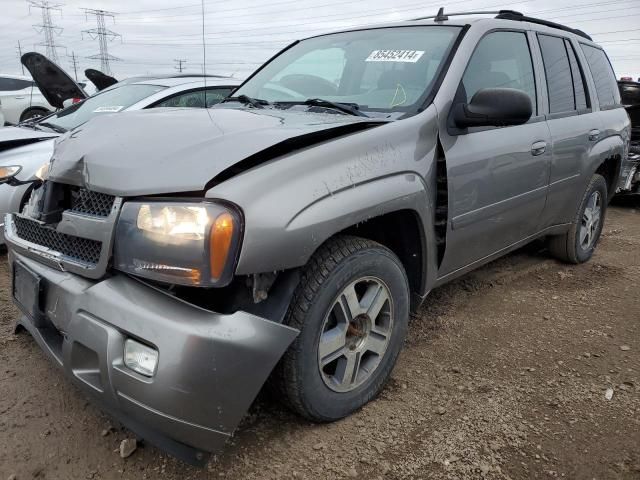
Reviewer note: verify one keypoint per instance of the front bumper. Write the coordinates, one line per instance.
(210, 366)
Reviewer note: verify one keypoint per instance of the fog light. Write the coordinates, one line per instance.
(140, 358)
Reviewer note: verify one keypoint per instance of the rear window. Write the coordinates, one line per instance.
(12, 84)
(630, 93)
(579, 88)
(109, 101)
(603, 76)
(558, 71)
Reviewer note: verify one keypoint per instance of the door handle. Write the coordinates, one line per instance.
(19, 97)
(538, 148)
(594, 135)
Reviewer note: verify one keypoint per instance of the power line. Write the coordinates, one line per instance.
(103, 34)
(47, 27)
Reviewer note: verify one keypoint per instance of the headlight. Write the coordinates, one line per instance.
(9, 172)
(193, 243)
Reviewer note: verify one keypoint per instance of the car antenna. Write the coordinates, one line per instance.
(441, 17)
(204, 59)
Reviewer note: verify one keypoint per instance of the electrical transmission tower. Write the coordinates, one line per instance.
(74, 64)
(103, 35)
(47, 27)
(19, 51)
(180, 64)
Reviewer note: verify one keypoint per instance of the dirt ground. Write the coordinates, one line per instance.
(504, 375)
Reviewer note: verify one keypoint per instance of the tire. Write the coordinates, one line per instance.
(310, 383)
(574, 247)
(33, 113)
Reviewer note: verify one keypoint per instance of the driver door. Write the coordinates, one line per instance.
(497, 177)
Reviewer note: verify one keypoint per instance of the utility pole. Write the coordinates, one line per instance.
(74, 64)
(47, 27)
(20, 56)
(102, 34)
(180, 62)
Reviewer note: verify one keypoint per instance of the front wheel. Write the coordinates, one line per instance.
(352, 310)
(579, 243)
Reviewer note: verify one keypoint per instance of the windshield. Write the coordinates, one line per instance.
(382, 69)
(108, 101)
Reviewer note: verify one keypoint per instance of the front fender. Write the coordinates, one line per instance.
(294, 203)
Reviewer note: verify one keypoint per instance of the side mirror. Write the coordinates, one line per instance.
(494, 107)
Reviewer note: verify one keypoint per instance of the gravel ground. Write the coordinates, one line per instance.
(504, 375)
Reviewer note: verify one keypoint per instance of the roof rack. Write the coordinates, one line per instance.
(517, 16)
(441, 16)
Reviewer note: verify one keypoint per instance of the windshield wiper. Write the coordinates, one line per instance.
(55, 128)
(246, 100)
(348, 108)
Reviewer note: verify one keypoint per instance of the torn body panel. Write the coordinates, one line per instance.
(210, 366)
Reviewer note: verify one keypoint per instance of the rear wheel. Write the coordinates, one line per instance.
(579, 243)
(352, 309)
(33, 113)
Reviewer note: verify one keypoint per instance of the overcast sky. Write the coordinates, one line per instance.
(241, 34)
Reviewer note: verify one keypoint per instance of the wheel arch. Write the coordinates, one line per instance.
(606, 160)
(34, 108)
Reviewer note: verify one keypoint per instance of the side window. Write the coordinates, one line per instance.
(579, 88)
(216, 95)
(603, 76)
(501, 60)
(558, 72)
(195, 99)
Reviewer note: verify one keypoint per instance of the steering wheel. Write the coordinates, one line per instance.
(309, 85)
(281, 90)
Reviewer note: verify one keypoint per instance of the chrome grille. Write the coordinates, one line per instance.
(87, 202)
(75, 248)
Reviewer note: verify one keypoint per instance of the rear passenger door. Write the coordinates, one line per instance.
(497, 177)
(573, 124)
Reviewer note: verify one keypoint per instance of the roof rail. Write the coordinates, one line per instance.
(517, 16)
(504, 15)
(442, 17)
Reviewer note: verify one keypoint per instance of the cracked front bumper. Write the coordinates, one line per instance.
(210, 366)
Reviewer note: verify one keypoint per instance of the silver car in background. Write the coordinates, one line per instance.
(30, 145)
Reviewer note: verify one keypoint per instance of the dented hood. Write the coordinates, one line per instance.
(165, 151)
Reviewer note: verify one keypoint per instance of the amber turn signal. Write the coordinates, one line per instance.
(219, 243)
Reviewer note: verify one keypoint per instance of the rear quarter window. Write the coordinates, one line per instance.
(603, 76)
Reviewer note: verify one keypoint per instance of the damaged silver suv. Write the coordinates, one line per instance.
(175, 260)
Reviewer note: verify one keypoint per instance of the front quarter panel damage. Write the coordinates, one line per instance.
(296, 202)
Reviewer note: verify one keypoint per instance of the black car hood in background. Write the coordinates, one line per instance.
(99, 79)
(163, 151)
(53, 82)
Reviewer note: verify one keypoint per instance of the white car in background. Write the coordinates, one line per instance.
(21, 99)
(25, 150)
(1, 115)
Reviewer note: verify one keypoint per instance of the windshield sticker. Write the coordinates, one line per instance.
(407, 56)
(109, 109)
